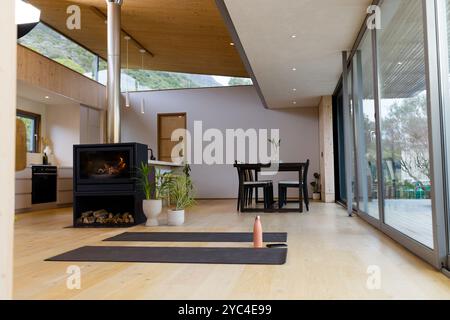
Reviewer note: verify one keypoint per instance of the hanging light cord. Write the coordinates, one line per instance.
(142, 68)
(128, 66)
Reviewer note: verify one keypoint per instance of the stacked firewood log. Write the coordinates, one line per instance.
(104, 217)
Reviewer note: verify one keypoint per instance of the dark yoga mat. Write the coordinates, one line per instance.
(197, 237)
(176, 255)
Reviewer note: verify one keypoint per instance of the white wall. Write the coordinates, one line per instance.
(63, 129)
(59, 123)
(34, 107)
(224, 108)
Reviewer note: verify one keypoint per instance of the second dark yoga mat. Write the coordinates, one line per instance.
(262, 256)
(197, 237)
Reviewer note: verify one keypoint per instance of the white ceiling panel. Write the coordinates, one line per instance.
(322, 29)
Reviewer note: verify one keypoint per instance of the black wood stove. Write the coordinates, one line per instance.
(106, 192)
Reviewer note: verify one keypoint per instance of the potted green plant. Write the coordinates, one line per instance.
(316, 186)
(155, 190)
(181, 197)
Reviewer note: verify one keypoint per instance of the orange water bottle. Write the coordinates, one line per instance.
(257, 233)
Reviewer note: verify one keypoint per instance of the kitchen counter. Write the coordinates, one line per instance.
(164, 163)
(55, 165)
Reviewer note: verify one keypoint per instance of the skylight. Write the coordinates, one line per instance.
(26, 13)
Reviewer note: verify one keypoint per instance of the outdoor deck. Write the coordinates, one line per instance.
(410, 216)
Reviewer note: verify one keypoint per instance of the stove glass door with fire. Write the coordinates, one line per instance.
(105, 165)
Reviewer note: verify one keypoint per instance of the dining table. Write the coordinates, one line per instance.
(271, 169)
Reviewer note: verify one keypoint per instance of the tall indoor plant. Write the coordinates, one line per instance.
(181, 197)
(155, 187)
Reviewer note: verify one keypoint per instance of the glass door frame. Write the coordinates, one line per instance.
(443, 89)
(438, 256)
(370, 219)
(354, 155)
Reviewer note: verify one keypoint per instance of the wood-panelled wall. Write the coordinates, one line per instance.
(45, 73)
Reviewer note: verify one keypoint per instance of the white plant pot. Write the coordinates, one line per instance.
(175, 217)
(152, 209)
(316, 196)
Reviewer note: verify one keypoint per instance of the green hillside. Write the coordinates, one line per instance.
(51, 44)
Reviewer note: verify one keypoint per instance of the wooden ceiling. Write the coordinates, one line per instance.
(182, 35)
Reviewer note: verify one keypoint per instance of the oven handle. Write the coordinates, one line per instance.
(45, 174)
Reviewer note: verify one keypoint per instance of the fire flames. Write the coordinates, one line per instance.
(108, 169)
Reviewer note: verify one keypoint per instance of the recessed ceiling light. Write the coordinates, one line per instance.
(294, 102)
(47, 97)
(294, 36)
(294, 69)
(231, 43)
(399, 63)
(294, 89)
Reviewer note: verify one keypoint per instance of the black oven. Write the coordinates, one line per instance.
(44, 181)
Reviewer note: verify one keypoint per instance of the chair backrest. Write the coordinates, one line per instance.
(247, 173)
(238, 172)
(305, 172)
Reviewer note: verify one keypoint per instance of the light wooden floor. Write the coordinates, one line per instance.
(328, 258)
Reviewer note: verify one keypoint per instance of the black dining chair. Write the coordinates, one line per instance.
(283, 187)
(248, 184)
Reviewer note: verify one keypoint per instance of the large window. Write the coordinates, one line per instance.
(365, 131)
(445, 55)
(400, 111)
(32, 124)
(404, 121)
(341, 191)
(351, 144)
(140, 80)
(390, 141)
(55, 46)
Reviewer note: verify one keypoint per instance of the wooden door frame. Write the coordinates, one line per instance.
(159, 115)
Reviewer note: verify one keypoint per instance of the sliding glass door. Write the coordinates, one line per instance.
(341, 191)
(398, 112)
(443, 9)
(404, 121)
(351, 143)
(365, 131)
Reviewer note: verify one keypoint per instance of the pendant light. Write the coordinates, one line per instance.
(142, 51)
(127, 93)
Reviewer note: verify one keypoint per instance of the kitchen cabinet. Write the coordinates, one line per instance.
(65, 186)
(23, 189)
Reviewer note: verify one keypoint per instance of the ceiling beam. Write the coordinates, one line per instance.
(240, 48)
(100, 13)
